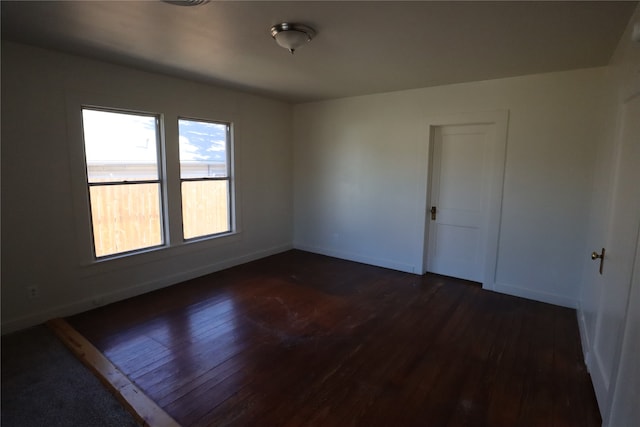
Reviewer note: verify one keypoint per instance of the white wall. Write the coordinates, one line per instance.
(358, 173)
(360, 176)
(40, 229)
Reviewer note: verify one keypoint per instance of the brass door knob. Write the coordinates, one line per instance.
(595, 255)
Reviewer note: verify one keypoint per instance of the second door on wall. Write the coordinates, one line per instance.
(459, 200)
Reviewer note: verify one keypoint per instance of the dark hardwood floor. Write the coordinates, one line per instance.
(299, 339)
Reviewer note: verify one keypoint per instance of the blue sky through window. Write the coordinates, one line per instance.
(202, 141)
(203, 148)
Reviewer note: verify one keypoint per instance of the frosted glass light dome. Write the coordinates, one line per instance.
(292, 36)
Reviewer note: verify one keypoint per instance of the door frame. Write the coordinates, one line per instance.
(500, 119)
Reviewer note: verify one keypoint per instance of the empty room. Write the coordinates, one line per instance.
(320, 213)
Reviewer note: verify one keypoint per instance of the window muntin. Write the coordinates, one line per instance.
(205, 177)
(124, 179)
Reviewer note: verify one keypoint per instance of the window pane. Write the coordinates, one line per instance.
(205, 208)
(203, 149)
(120, 146)
(125, 217)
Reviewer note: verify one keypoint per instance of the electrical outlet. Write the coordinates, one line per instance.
(34, 291)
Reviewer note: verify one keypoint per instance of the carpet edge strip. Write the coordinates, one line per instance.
(144, 410)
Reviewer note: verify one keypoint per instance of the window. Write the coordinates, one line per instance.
(124, 179)
(204, 176)
(139, 180)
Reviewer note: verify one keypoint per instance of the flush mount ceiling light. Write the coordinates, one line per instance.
(292, 36)
(186, 2)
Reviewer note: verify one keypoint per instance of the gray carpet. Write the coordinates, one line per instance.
(43, 384)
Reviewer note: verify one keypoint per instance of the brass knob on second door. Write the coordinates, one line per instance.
(595, 255)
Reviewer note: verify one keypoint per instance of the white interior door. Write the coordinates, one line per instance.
(618, 262)
(625, 410)
(459, 200)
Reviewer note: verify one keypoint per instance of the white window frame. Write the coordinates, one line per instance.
(229, 178)
(160, 181)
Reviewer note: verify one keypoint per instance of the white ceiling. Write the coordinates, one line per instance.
(361, 47)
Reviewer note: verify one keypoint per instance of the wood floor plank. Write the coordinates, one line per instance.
(303, 339)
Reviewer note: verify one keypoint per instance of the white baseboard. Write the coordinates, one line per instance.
(94, 301)
(561, 300)
(584, 338)
(378, 262)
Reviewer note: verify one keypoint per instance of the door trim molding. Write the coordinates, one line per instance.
(500, 119)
